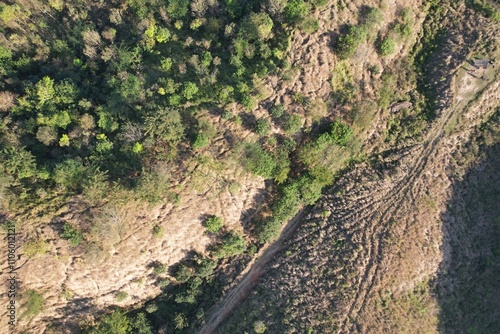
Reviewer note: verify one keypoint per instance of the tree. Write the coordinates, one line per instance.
(258, 161)
(141, 325)
(296, 11)
(45, 90)
(292, 124)
(387, 46)
(190, 90)
(213, 224)
(262, 127)
(114, 323)
(164, 124)
(257, 26)
(232, 245)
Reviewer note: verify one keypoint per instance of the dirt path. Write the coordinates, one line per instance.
(249, 278)
(377, 211)
(402, 196)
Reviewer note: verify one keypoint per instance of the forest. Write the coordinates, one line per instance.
(115, 102)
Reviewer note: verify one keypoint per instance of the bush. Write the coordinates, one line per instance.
(387, 46)
(72, 234)
(115, 323)
(121, 296)
(292, 124)
(158, 231)
(258, 161)
(201, 140)
(159, 268)
(372, 16)
(296, 11)
(33, 303)
(259, 327)
(183, 274)
(277, 110)
(213, 224)
(232, 245)
(262, 127)
(348, 45)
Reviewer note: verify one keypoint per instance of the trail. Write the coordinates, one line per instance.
(249, 277)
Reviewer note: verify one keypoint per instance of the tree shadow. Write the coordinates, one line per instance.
(468, 281)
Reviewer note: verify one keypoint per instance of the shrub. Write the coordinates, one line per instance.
(159, 268)
(310, 25)
(259, 327)
(277, 110)
(262, 127)
(258, 161)
(115, 323)
(34, 247)
(72, 234)
(296, 11)
(213, 224)
(183, 274)
(201, 140)
(348, 45)
(292, 124)
(121, 296)
(33, 303)
(232, 245)
(158, 231)
(387, 46)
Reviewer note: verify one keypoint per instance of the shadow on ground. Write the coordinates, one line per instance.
(468, 283)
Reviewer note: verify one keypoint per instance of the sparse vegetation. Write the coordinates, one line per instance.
(33, 303)
(72, 234)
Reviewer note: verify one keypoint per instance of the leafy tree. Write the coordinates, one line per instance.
(262, 127)
(231, 245)
(292, 123)
(164, 124)
(45, 90)
(258, 161)
(386, 46)
(213, 224)
(183, 274)
(259, 327)
(190, 90)
(205, 267)
(177, 9)
(114, 323)
(141, 325)
(257, 26)
(72, 234)
(18, 162)
(296, 11)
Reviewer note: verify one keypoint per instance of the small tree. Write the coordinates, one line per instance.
(387, 46)
(262, 127)
(259, 327)
(213, 224)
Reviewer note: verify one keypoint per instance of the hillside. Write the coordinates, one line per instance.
(273, 166)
